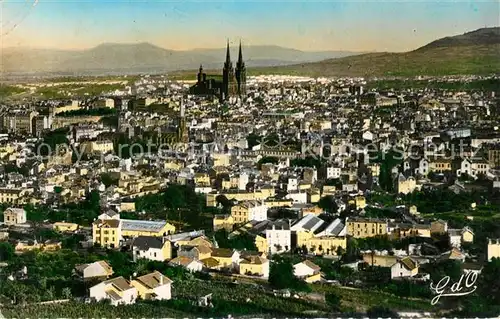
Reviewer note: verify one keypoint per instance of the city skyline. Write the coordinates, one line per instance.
(394, 26)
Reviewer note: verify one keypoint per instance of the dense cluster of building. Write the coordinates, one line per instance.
(272, 147)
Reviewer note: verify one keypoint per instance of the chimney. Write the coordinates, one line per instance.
(161, 280)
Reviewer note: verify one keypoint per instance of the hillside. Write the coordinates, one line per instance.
(485, 36)
(476, 52)
(109, 58)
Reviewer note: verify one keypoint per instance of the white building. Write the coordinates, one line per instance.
(14, 216)
(298, 197)
(118, 290)
(307, 270)
(279, 237)
(403, 268)
(333, 172)
(153, 286)
(257, 211)
(493, 248)
(97, 269)
(189, 263)
(293, 184)
(151, 248)
(473, 167)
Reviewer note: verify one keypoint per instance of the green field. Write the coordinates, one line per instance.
(8, 90)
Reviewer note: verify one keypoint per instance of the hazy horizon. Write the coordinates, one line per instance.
(368, 26)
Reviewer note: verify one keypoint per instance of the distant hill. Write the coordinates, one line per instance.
(485, 36)
(144, 57)
(476, 52)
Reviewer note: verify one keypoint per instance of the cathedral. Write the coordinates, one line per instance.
(233, 82)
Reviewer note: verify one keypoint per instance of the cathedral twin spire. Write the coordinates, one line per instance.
(230, 86)
(233, 79)
(240, 56)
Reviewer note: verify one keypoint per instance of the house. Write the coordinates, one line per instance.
(153, 286)
(195, 252)
(107, 233)
(249, 210)
(96, 270)
(406, 185)
(403, 268)
(467, 235)
(312, 210)
(366, 227)
(359, 202)
(439, 227)
(374, 259)
(223, 222)
(308, 271)
(405, 230)
(151, 248)
(48, 245)
(413, 210)
(211, 263)
(255, 266)
(14, 216)
(473, 167)
(453, 254)
(278, 236)
(189, 263)
(65, 227)
(227, 258)
(320, 238)
(493, 249)
(118, 290)
(193, 241)
(459, 236)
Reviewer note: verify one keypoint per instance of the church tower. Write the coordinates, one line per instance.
(229, 85)
(241, 74)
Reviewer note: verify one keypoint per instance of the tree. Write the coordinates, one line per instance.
(6, 251)
(108, 179)
(352, 251)
(253, 140)
(450, 268)
(489, 285)
(281, 275)
(328, 204)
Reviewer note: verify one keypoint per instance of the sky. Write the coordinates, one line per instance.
(369, 25)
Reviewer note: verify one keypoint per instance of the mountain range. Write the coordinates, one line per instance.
(145, 57)
(475, 52)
